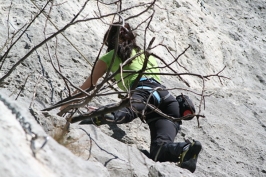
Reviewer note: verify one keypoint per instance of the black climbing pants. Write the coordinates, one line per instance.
(163, 148)
(162, 130)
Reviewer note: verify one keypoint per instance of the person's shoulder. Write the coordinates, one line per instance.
(107, 55)
(111, 52)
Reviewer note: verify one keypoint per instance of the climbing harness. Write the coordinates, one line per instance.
(26, 127)
(150, 89)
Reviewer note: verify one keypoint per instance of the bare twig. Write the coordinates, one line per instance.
(85, 96)
(148, 8)
(23, 86)
(35, 91)
(46, 40)
(114, 156)
(8, 27)
(101, 111)
(9, 49)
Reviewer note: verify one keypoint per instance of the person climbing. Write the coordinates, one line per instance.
(162, 130)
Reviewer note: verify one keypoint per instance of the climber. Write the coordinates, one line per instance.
(162, 130)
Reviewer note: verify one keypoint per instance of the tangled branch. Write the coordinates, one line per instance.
(83, 97)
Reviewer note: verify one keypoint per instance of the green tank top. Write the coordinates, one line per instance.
(136, 65)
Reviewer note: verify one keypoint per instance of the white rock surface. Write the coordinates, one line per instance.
(53, 160)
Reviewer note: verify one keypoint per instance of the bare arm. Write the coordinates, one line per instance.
(98, 72)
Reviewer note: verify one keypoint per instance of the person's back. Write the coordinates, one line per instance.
(135, 65)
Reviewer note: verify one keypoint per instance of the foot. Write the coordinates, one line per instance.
(100, 120)
(188, 159)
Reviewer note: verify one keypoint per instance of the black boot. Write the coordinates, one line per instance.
(100, 120)
(189, 156)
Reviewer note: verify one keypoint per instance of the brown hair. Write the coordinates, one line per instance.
(126, 41)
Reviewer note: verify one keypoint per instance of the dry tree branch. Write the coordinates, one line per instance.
(59, 69)
(44, 32)
(106, 78)
(157, 110)
(9, 49)
(98, 56)
(47, 39)
(87, 99)
(156, 73)
(99, 9)
(65, 79)
(110, 93)
(70, 99)
(101, 111)
(8, 27)
(122, 79)
(95, 91)
(125, 102)
(23, 86)
(82, 8)
(48, 18)
(115, 2)
(127, 9)
(35, 90)
(174, 119)
(217, 75)
(148, 8)
(101, 84)
(105, 110)
(147, 101)
(115, 156)
(202, 99)
(96, 88)
(10, 40)
(175, 60)
(146, 55)
(133, 29)
(181, 74)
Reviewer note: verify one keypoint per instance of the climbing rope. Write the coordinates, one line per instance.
(26, 127)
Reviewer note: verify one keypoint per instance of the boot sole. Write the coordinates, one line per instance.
(191, 163)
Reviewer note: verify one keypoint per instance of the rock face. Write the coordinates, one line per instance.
(230, 34)
(96, 154)
(53, 160)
